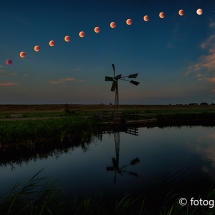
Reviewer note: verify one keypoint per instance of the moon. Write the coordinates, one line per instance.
(128, 21)
(22, 54)
(82, 34)
(52, 43)
(97, 29)
(113, 25)
(8, 61)
(146, 18)
(67, 38)
(181, 12)
(162, 15)
(199, 11)
(36, 48)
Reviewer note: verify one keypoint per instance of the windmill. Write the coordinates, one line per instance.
(115, 88)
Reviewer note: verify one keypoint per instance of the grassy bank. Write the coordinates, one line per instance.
(59, 129)
(40, 196)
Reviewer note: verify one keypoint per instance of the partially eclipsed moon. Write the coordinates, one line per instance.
(146, 18)
(113, 25)
(82, 34)
(128, 21)
(8, 61)
(162, 14)
(36, 48)
(52, 43)
(97, 29)
(22, 54)
(67, 38)
(181, 12)
(199, 11)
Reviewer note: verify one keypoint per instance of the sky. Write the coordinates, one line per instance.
(174, 56)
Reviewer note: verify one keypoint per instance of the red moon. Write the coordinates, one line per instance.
(51, 42)
(82, 34)
(22, 54)
(8, 61)
(113, 25)
(146, 18)
(181, 12)
(128, 21)
(97, 29)
(162, 14)
(67, 38)
(199, 11)
(36, 48)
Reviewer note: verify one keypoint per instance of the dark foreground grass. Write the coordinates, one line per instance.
(40, 196)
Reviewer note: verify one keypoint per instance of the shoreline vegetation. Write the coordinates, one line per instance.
(40, 196)
(76, 121)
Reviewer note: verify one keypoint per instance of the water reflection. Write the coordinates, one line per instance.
(115, 161)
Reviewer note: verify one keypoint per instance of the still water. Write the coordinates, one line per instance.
(150, 163)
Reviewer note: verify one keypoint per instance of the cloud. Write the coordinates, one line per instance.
(7, 73)
(206, 62)
(76, 69)
(8, 84)
(24, 76)
(60, 81)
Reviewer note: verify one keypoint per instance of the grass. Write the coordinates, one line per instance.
(59, 129)
(39, 196)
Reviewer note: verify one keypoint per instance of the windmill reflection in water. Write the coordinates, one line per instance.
(115, 161)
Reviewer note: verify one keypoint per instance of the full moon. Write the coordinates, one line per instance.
(52, 43)
(67, 38)
(181, 12)
(8, 61)
(81, 34)
(113, 25)
(22, 54)
(162, 14)
(146, 18)
(97, 29)
(199, 11)
(128, 21)
(36, 48)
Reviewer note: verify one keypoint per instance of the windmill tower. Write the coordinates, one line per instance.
(115, 88)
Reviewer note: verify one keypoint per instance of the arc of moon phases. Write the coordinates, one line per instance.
(162, 15)
(36, 48)
(128, 21)
(52, 43)
(113, 25)
(82, 34)
(146, 18)
(67, 38)
(22, 54)
(8, 61)
(97, 29)
(181, 12)
(199, 11)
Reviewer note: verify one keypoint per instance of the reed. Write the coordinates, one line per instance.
(39, 196)
(49, 129)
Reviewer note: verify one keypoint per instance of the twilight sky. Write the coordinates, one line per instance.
(174, 56)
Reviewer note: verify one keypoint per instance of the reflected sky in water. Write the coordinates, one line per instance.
(180, 158)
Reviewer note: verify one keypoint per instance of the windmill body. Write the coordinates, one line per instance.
(115, 88)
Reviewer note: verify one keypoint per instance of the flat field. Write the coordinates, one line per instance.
(58, 110)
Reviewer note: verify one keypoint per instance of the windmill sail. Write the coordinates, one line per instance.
(113, 86)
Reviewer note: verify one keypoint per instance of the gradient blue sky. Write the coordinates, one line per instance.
(174, 56)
